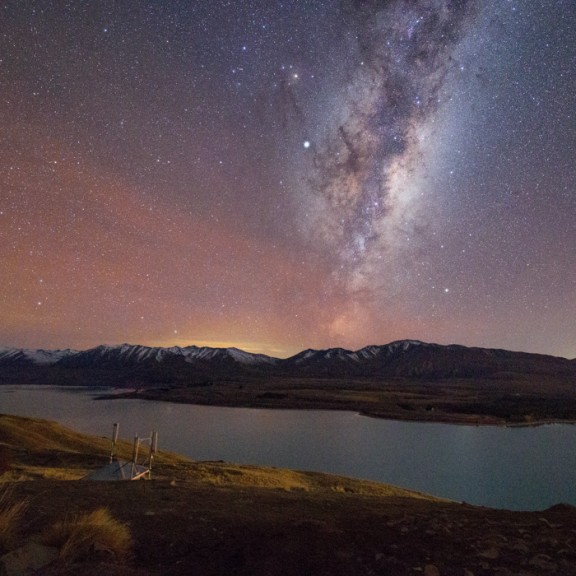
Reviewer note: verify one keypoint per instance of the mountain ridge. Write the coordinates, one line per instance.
(147, 365)
(35, 354)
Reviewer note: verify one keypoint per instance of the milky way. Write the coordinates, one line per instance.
(374, 145)
(284, 175)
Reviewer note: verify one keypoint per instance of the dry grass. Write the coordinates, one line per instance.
(81, 536)
(244, 476)
(42, 449)
(11, 514)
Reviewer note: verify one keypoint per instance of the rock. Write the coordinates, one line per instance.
(549, 524)
(491, 553)
(553, 542)
(431, 570)
(542, 561)
(468, 572)
(520, 546)
(27, 559)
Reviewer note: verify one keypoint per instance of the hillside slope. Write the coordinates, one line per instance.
(218, 518)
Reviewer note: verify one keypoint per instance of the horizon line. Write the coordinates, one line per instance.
(237, 346)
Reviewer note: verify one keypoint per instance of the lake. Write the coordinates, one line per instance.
(515, 468)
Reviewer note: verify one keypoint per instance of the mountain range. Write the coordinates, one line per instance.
(135, 365)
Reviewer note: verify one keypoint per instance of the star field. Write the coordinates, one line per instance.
(284, 175)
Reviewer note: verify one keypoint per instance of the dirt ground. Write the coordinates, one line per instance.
(183, 528)
(216, 518)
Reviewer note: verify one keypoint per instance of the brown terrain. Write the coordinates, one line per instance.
(218, 518)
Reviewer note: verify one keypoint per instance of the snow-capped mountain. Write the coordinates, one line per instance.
(133, 355)
(335, 355)
(193, 353)
(416, 359)
(135, 365)
(131, 365)
(313, 356)
(38, 357)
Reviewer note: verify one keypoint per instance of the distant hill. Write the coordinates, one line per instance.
(143, 366)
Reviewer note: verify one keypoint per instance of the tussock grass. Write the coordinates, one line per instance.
(81, 536)
(11, 514)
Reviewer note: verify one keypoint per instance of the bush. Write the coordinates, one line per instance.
(82, 536)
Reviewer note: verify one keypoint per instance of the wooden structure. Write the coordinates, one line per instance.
(124, 470)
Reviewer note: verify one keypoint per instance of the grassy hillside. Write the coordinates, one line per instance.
(41, 449)
(220, 518)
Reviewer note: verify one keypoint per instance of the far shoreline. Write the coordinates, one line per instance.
(454, 403)
(474, 420)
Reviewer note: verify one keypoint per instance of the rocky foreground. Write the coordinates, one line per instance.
(217, 518)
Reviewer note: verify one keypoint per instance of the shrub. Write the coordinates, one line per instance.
(11, 513)
(81, 536)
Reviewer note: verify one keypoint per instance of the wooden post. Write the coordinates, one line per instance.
(114, 440)
(153, 448)
(135, 454)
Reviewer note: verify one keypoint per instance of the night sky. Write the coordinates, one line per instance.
(279, 175)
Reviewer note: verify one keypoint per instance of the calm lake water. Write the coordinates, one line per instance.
(514, 468)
